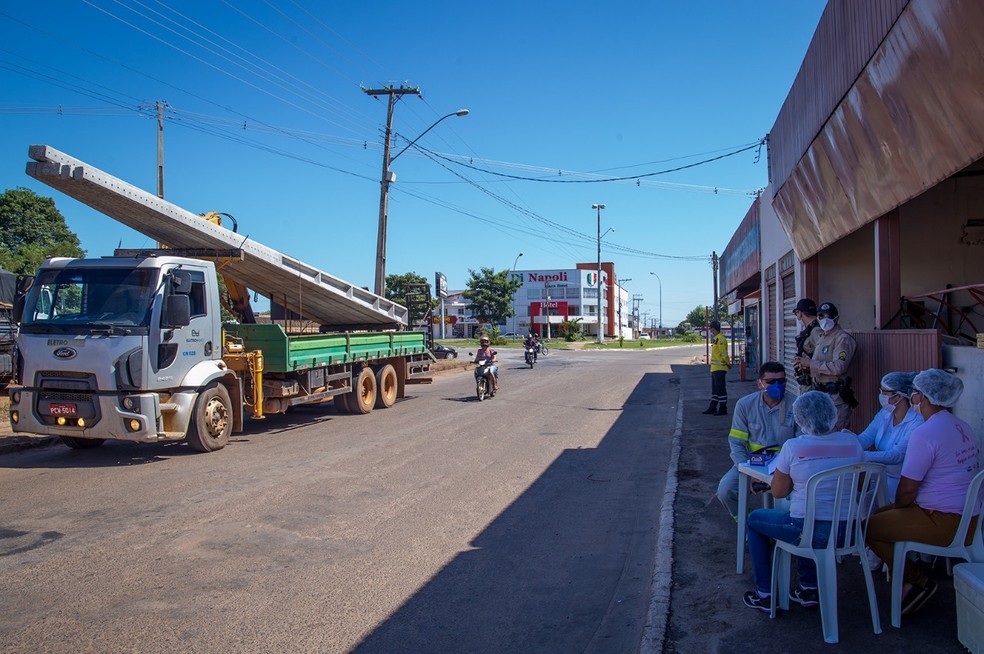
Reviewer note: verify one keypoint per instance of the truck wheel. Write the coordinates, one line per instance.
(82, 443)
(211, 422)
(341, 402)
(364, 393)
(387, 385)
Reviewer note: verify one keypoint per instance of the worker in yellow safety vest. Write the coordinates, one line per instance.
(720, 363)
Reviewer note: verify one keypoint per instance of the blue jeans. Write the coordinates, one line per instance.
(764, 525)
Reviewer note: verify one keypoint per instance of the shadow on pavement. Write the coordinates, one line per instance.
(567, 566)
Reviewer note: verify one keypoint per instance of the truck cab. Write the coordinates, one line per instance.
(119, 347)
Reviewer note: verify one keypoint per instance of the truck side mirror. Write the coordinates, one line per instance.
(24, 284)
(177, 311)
(180, 282)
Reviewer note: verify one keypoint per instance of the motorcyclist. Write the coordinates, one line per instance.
(531, 342)
(488, 353)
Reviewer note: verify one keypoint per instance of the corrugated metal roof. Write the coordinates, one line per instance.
(307, 291)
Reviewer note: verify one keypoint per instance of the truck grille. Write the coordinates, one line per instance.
(56, 396)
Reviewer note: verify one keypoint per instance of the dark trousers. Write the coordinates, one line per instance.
(719, 389)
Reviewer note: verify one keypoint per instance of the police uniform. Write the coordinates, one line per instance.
(806, 343)
(828, 368)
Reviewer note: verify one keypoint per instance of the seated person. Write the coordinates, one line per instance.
(940, 462)
(488, 353)
(886, 438)
(762, 420)
(816, 449)
(531, 342)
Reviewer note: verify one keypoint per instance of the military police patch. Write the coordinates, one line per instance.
(843, 356)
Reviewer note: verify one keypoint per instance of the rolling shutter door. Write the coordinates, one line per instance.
(789, 330)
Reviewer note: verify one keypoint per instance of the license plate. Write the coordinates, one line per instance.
(62, 409)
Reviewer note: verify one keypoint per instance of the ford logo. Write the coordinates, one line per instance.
(65, 353)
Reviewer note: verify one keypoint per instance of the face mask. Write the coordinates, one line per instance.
(826, 324)
(776, 390)
(886, 402)
(800, 324)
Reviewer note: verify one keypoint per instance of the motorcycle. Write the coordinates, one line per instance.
(530, 355)
(482, 389)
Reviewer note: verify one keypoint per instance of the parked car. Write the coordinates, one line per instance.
(444, 352)
(645, 337)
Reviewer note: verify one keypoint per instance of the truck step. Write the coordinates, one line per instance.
(168, 407)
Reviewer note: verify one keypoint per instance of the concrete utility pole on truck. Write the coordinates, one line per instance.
(132, 347)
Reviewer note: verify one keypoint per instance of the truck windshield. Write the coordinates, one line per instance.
(90, 300)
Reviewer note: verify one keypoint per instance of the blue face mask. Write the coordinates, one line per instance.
(776, 390)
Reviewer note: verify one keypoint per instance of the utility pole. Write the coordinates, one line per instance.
(386, 179)
(636, 299)
(714, 265)
(160, 151)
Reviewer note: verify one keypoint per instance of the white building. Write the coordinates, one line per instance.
(546, 299)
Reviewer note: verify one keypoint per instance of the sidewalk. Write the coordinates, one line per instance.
(706, 611)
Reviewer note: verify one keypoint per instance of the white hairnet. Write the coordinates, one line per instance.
(940, 387)
(815, 413)
(900, 382)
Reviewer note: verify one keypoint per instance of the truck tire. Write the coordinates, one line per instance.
(82, 443)
(211, 422)
(387, 385)
(341, 402)
(364, 393)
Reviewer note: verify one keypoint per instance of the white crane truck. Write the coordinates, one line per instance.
(133, 347)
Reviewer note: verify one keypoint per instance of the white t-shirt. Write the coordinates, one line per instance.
(804, 456)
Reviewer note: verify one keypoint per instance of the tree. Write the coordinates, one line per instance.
(32, 228)
(396, 290)
(491, 294)
(698, 317)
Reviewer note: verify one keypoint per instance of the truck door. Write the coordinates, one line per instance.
(181, 347)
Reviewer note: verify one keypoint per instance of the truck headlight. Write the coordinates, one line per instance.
(15, 397)
(14, 416)
(133, 424)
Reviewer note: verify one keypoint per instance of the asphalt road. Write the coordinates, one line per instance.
(527, 522)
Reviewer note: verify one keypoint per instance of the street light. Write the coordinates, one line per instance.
(515, 325)
(601, 322)
(660, 302)
(384, 182)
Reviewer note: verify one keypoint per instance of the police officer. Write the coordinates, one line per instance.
(830, 361)
(806, 341)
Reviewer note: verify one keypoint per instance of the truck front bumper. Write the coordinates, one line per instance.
(137, 421)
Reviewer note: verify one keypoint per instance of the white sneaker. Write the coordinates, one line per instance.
(874, 563)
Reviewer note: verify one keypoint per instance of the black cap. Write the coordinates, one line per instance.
(829, 309)
(715, 325)
(807, 306)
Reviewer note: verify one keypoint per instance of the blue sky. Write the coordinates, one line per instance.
(267, 121)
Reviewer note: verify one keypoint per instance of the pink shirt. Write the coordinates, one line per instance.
(942, 456)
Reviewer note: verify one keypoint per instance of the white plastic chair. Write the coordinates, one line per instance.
(974, 553)
(856, 490)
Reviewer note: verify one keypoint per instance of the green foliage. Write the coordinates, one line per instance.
(491, 294)
(31, 229)
(696, 318)
(396, 291)
(570, 330)
(691, 337)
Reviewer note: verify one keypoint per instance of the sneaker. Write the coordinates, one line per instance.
(806, 597)
(874, 563)
(918, 597)
(753, 600)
